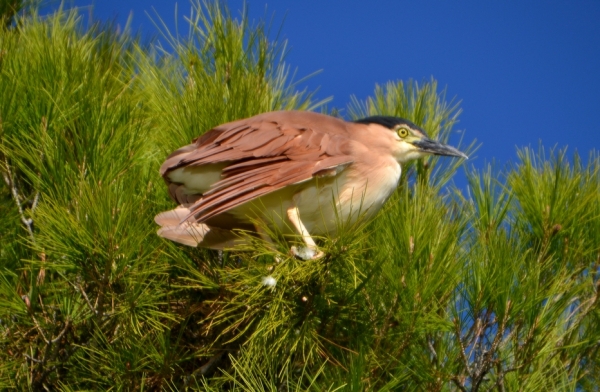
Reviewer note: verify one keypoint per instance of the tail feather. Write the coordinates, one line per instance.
(172, 217)
(190, 234)
(174, 227)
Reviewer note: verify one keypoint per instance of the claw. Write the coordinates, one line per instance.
(306, 253)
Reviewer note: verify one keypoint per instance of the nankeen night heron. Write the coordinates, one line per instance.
(299, 171)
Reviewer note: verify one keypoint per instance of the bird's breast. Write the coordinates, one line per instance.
(351, 195)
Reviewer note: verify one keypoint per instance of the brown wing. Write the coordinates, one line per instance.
(263, 154)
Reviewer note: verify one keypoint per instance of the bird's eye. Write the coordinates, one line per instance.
(403, 132)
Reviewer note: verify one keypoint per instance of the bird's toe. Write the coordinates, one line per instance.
(306, 253)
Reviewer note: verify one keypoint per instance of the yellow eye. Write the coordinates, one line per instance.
(403, 132)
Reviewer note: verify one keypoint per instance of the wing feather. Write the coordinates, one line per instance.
(273, 147)
(250, 164)
(267, 152)
(232, 134)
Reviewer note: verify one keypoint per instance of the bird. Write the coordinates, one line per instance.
(298, 172)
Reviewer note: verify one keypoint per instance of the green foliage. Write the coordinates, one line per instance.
(493, 288)
(224, 70)
(8, 10)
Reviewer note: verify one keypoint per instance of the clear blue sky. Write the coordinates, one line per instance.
(524, 71)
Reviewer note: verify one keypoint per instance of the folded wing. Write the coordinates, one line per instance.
(255, 156)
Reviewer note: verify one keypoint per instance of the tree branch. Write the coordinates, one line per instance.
(458, 384)
(9, 179)
(463, 354)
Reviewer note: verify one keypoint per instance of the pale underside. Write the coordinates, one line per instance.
(299, 171)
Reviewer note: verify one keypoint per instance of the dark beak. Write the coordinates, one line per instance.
(436, 148)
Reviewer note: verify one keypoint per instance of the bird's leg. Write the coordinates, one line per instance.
(311, 251)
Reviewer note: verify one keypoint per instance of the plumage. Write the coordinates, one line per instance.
(283, 168)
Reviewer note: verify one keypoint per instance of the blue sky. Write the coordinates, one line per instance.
(525, 71)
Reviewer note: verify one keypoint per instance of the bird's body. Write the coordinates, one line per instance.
(299, 171)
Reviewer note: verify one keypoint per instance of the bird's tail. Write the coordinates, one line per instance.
(175, 227)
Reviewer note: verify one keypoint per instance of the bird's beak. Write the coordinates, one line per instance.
(436, 148)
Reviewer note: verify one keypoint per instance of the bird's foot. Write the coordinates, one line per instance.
(306, 253)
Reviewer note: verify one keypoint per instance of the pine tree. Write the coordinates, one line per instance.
(492, 287)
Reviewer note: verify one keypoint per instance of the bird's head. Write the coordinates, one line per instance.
(410, 141)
